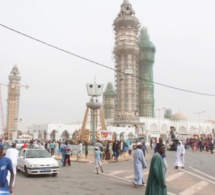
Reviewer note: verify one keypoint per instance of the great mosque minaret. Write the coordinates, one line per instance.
(126, 52)
(13, 101)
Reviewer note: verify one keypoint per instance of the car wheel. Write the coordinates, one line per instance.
(54, 174)
(17, 169)
(26, 172)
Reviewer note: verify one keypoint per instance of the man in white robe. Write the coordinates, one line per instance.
(180, 156)
(12, 153)
(139, 165)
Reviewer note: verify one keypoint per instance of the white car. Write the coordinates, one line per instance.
(37, 161)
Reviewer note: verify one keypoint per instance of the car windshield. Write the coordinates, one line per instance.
(37, 154)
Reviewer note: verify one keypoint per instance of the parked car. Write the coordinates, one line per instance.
(173, 145)
(37, 161)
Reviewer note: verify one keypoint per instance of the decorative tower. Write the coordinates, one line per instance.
(108, 101)
(126, 58)
(93, 90)
(13, 102)
(146, 86)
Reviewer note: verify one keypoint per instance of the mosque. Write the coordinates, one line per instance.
(128, 104)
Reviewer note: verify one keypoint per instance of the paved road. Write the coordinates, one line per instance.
(197, 178)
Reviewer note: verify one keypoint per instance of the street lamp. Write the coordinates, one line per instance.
(198, 113)
(94, 90)
(159, 110)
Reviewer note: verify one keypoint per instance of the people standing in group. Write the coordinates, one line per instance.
(12, 153)
(156, 184)
(67, 154)
(52, 147)
(180, 153)
(5, 166)
(98, 160)
(139, 165)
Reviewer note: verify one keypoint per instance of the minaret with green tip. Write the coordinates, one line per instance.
(108, 101)
(146, 85)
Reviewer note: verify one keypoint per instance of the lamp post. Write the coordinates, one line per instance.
(199, 113)
(94, 90)
(159, 110)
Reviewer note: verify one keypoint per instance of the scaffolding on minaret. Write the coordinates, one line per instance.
(13, 102)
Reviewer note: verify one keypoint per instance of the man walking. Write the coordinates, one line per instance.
(156, 184)
(67, 154)
(163, 156)
(144, 149)
(12, 154)
(139, 165)
(98, 160)
(52, 147)
(180, 156)
(5, 166)
(63, 153)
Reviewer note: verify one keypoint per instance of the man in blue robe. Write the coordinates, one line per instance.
(5, 166)
(139, 165)
(63, 152)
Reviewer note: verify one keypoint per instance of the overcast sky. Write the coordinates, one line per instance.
(183, 32)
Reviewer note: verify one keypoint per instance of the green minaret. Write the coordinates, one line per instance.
(109, 96)
(146, 86)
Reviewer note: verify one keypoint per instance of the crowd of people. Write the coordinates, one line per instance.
(107, 150)
(203, 144)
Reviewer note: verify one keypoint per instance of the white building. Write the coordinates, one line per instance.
(53, 131)
(148, 127)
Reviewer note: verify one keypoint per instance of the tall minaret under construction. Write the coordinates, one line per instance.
(13, 101)
(126, 59)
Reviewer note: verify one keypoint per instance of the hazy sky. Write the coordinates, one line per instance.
(183, 32)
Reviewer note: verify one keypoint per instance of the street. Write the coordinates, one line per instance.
(197, 178)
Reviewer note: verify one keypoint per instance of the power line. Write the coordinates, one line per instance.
(102, 65)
